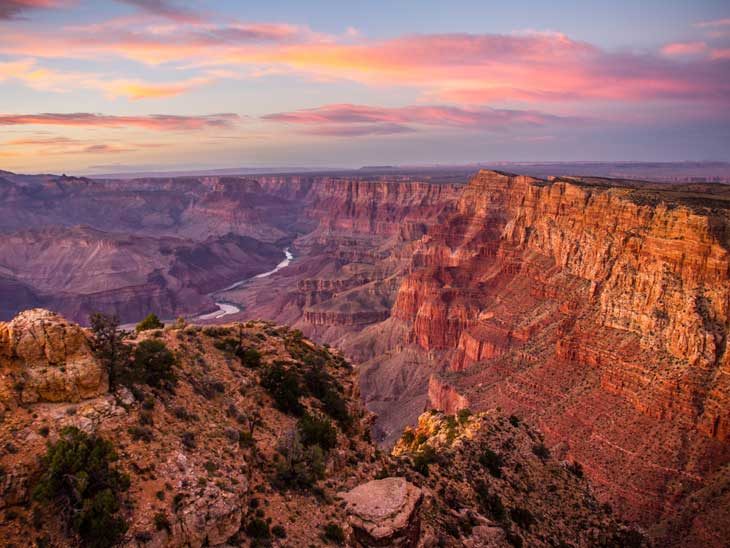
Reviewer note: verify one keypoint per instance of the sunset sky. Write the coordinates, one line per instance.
(91, 86)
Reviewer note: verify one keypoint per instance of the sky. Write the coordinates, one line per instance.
(127, 85)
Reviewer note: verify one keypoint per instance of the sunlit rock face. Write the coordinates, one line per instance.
(44, 358)
(598, 309)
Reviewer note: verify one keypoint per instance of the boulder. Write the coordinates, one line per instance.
(384, 513)
(45, 358)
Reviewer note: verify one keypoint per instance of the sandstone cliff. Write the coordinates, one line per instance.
(598, 309)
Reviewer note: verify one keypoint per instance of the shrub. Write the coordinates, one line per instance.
(283, 385)
(151, 321)
(492, 462)
(161, 521)
(576, 469)
(250, 357)
(300, 467)
(514, 420)
(463, 415)
(278, 531)
(522, 517)
(140, 433)
(336, 407)
(214, 331)
(78, 477)
(317, 431)
(423, 459)
(541, 452)
(334, 533)
(490, 503)
(188, 440)
(153, 364)
(258, 529)
(408, 436)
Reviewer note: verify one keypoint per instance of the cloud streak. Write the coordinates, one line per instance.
(14, 9)
(157, 122)
(362, 120)
(166, 9)
(459, 68)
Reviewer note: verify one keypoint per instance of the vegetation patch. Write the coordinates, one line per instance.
(78, 477)
(151, 321)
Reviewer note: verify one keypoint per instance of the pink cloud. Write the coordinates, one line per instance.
(713, 23)
(461, 68)
(360, 120)
(159, 122)
(684, 48)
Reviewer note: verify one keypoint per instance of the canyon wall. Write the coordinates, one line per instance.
(597, 310)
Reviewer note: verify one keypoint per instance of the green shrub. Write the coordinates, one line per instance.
(300, 467)
(150, 322)
(283, 385)
(229, 344)
(463, 415)
(317, 431)
(514, 420)
(408, 436)
(153, 364)
(78, 477)
(492, 462)
(278, 531)
(423, 459)
(334, 533)
(215, 331)
(250, 357)
(336, 407)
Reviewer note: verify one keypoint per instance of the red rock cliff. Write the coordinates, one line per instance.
(601, 311)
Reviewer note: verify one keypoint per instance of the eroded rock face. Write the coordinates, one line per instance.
(599, 310)
(44, 358)
(384, 512)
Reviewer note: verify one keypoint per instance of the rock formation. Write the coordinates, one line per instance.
(44, 358)
(384, 512)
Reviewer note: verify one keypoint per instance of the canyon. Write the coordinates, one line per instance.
(595, 309)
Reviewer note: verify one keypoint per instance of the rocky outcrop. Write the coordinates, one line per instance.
(45, 358)
(384, 513)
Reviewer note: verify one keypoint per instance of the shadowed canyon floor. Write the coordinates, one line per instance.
(595, 309)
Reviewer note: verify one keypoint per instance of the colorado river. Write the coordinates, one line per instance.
(226, 309)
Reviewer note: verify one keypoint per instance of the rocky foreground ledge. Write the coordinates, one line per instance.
(251, 435)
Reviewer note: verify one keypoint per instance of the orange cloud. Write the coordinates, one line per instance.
(158, 122)
(136, 90)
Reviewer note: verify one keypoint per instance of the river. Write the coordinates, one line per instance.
(226, 308)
